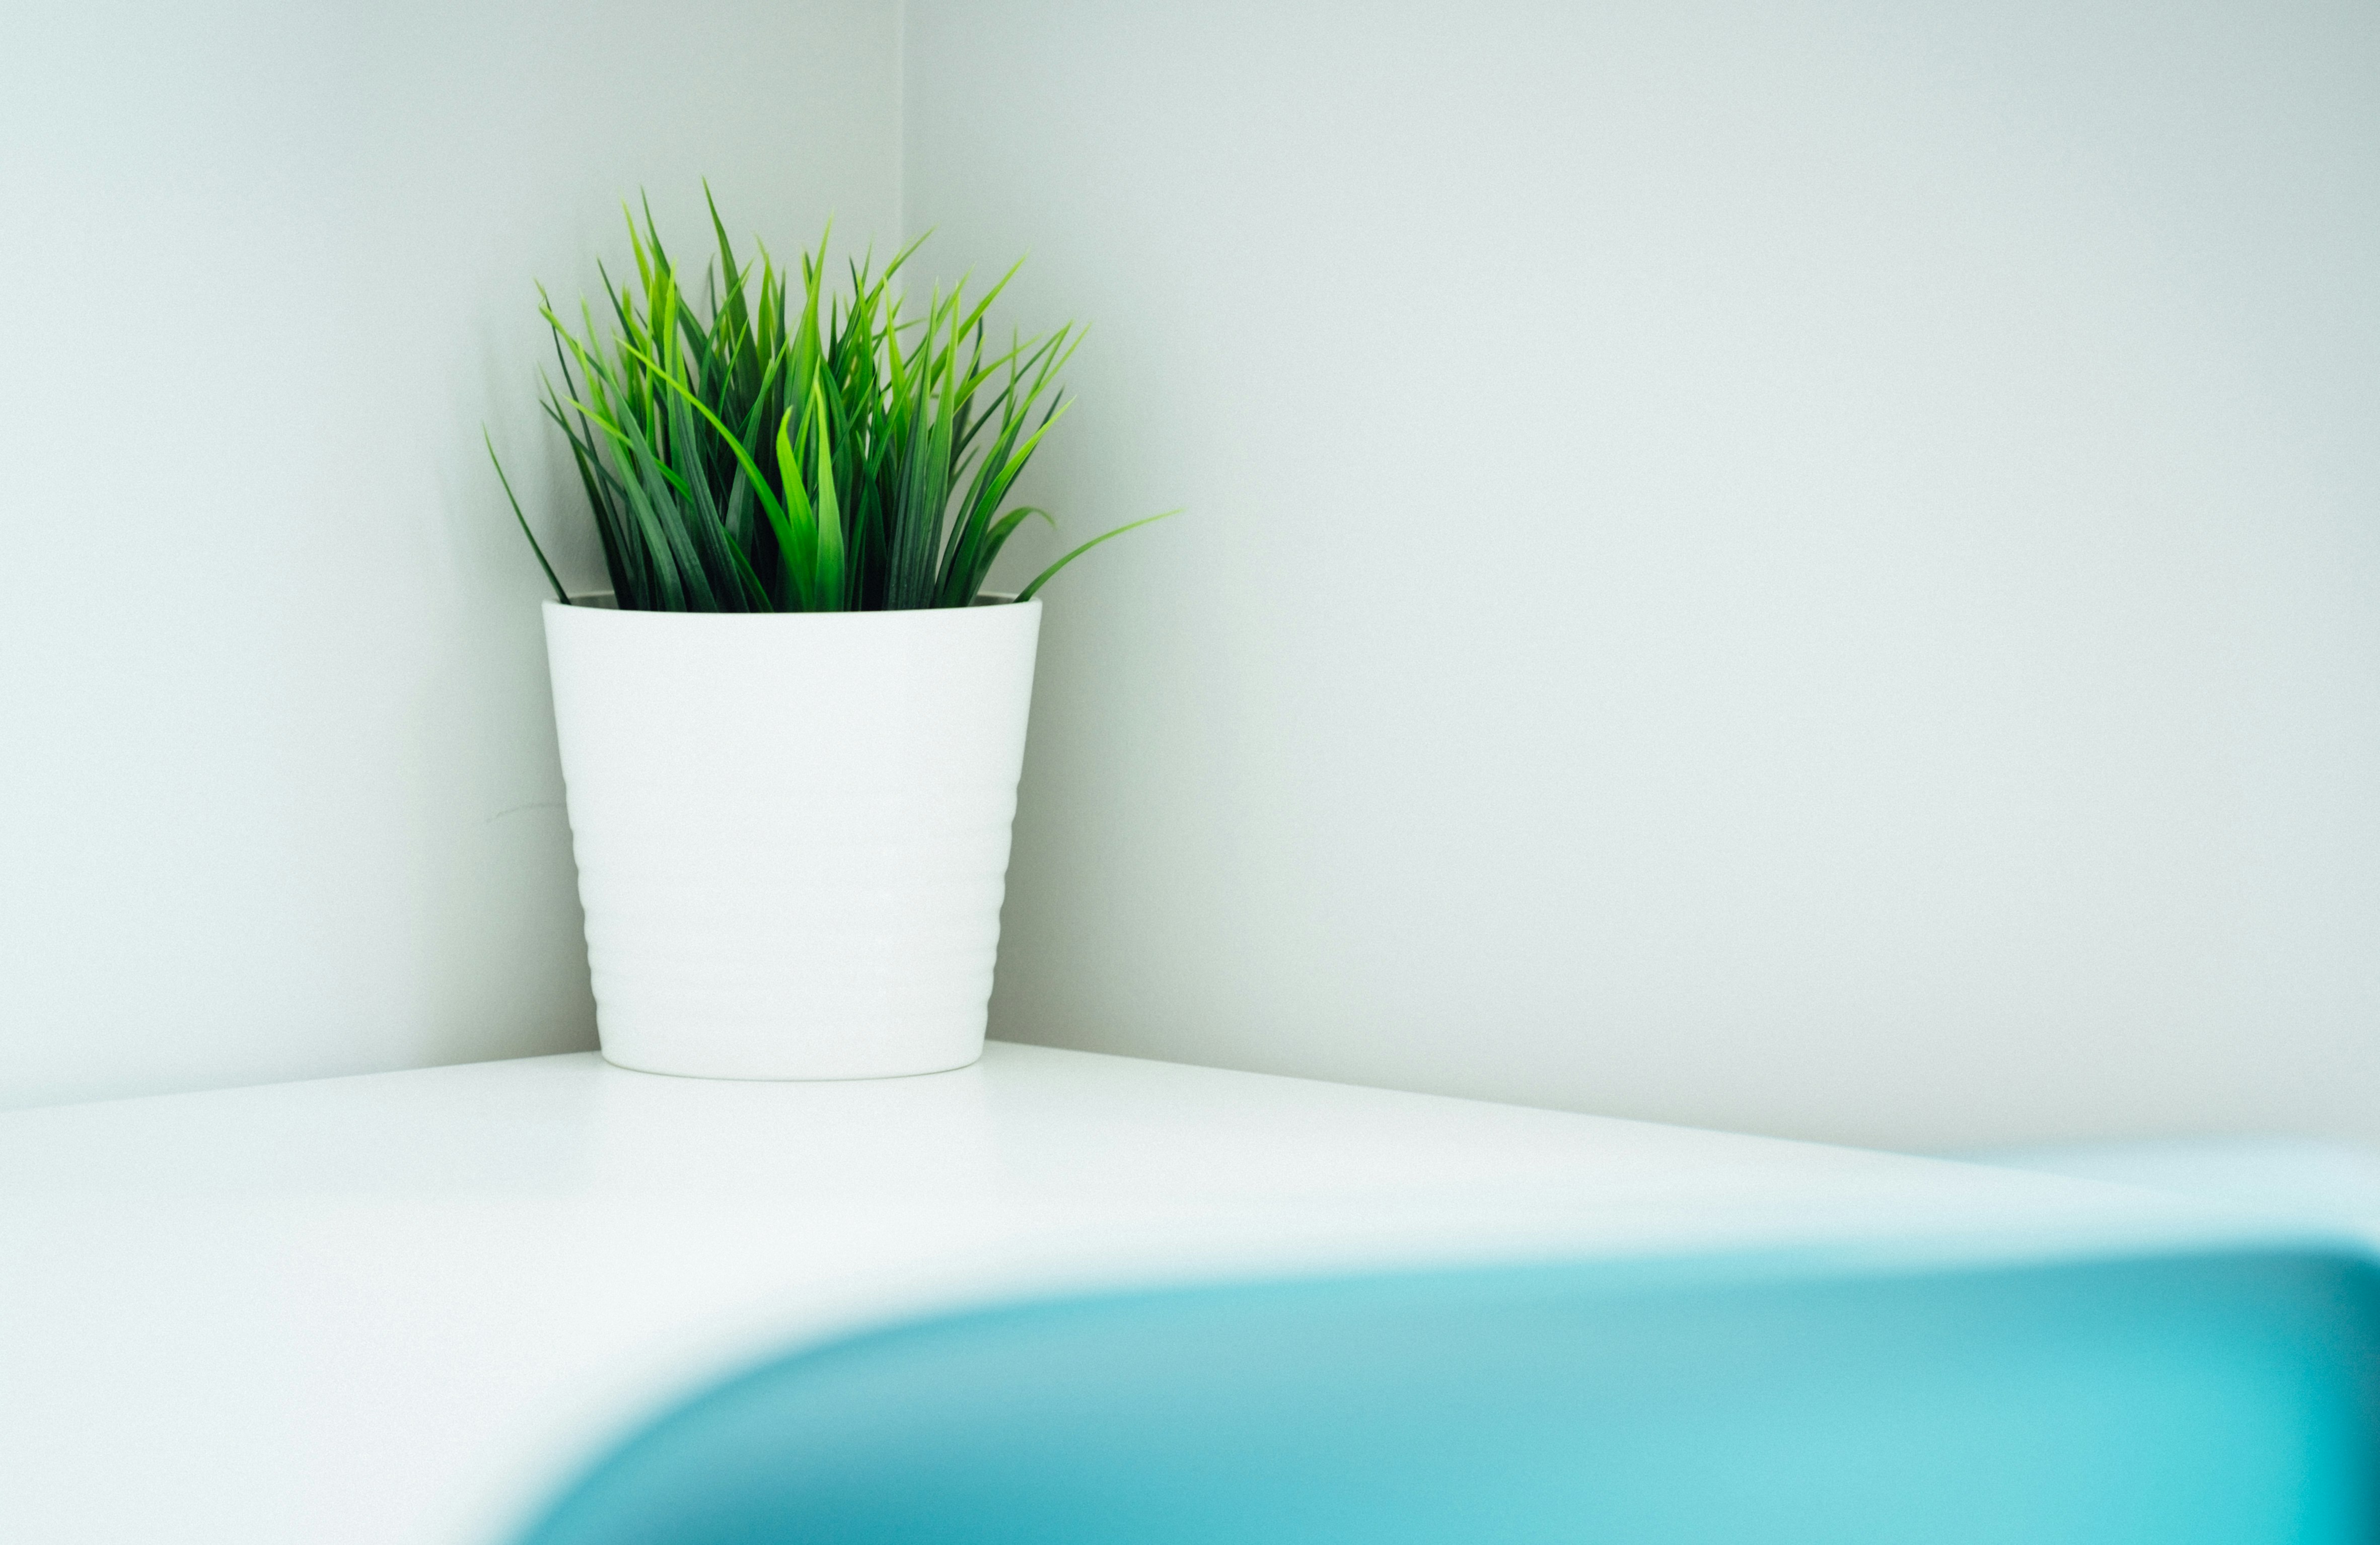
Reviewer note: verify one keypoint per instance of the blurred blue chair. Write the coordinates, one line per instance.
(2230, 1398)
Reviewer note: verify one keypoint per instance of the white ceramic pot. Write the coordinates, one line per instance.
(792, 830)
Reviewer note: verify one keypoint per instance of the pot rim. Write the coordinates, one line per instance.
(600, 603)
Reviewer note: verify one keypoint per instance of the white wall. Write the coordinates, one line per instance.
(1808, 567)
(277, 788)
(1813, 569)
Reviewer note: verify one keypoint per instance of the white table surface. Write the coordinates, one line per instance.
(399, 1308)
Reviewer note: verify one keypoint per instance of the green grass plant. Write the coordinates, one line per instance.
(779, 448)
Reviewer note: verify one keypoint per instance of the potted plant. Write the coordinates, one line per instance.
(791, 735)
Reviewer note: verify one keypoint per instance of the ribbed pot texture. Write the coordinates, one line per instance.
(792, 830)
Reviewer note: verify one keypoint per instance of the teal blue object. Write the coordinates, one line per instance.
(2223, 1398)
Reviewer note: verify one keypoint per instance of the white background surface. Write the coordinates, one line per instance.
(1806, 568)
(400, 1310)
(277, 786)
